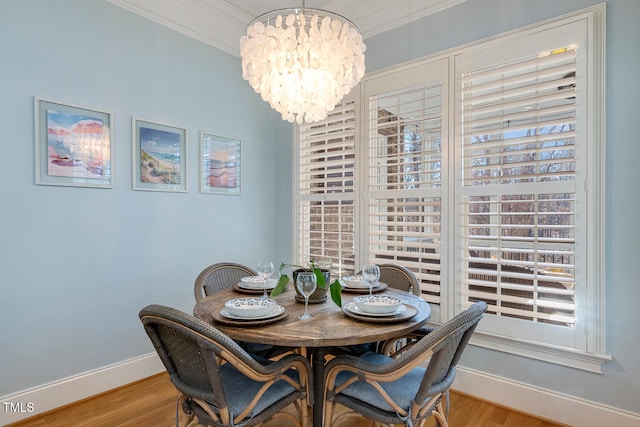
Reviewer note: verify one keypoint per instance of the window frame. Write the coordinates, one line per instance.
(592, 354)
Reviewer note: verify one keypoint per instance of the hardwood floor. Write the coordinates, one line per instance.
(149, 402)
(152, 402)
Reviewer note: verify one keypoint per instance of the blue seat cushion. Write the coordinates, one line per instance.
(240, 390)
(402, 390)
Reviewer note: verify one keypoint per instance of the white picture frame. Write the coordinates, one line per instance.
(220, 164)
(73, 145)
(159, 157)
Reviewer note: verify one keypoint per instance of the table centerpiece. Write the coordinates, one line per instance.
(323, 275)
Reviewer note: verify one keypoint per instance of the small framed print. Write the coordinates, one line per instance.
(220, 164)
(159, 156)
(73, 145)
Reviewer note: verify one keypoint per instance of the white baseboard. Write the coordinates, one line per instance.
(520, 396)
(541, 402)
(37, 400)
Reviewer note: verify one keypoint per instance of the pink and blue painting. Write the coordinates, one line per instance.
(78, 146)
(221, 158)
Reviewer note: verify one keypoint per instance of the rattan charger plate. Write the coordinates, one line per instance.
(253, 291)
(380, 288)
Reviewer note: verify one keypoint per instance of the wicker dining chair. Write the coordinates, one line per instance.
(401, 391)
(220, 276)
(399, 277)
(224, 275)
(219, 383)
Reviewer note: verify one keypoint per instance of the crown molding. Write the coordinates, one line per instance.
(221, 23)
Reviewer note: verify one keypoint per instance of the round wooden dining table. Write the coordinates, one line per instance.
(330, 327)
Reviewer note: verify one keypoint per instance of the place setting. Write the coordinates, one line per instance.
(255, 285)
(379, 308)
(253, 311)
(261, 284)
(367, 282)
(358, 285)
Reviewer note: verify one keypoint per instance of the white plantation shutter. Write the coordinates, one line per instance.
(404, 172)
(326, 212)
(519, 187)
(522, 224)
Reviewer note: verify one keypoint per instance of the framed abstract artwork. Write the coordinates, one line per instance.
(220, 164)
(73, 145)
(159, 156)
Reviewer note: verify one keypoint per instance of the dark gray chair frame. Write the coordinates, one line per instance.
(219, 383)
(371, 384)
(399, 277)
(220, 276)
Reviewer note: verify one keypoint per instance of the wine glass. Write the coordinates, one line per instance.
(265, 268)
(371, 274)
(306, 283)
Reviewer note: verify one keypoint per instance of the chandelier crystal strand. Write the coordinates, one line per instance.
(302, 61)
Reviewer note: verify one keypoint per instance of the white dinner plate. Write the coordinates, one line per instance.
(254, 285)
(352, 307)
(357, 285)
(277, 311)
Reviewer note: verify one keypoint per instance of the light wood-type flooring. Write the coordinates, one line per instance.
(152, 402)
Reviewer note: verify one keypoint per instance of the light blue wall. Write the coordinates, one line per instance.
(619, 386)
(77, 264)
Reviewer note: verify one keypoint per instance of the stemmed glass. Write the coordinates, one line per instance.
(371, 274)
(265, 268)
(306, 283)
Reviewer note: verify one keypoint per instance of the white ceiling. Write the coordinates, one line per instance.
(221, 23)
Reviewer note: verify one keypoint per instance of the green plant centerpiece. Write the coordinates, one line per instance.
(322, 278)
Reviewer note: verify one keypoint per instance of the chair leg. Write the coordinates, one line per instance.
(186, 419)
(305, 413)
(441, 418)
(445, 397)
(328, 413)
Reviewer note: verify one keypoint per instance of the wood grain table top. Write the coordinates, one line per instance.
(328, 327)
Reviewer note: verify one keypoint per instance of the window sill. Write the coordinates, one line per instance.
(552, 354)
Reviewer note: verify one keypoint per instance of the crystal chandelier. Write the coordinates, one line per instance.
(302, 61)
